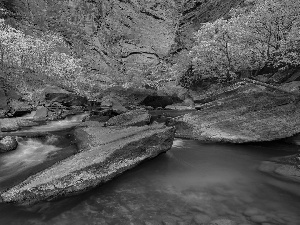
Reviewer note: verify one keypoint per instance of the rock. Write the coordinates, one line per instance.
(201, 219)
(114, 104)
(293, 87)
(250, 113)
(66, 98)
(8, 143)
(281, 76)
(41, 114)
(222, 222)
(126, 96)
(9, 124)
(19, 108)
(104, 154)
(258, 218)
(285, 167)
(3, 99)
(132, 118)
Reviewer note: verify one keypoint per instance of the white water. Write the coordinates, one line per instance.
(59, 125)
(30, 152)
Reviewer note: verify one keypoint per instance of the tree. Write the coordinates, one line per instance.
(263, 33)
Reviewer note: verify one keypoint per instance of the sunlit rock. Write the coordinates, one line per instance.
(249, 113)
(8, 143)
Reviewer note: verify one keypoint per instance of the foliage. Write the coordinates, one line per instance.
(263, 33)
(43, 55)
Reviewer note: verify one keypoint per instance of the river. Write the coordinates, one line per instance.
(193, 183)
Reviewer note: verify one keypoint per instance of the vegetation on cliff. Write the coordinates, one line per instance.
(261, 34)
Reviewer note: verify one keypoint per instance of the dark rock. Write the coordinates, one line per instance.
(41, 114)
(3, 100)
(251, 113)
(131, 118)
(105, 153)
(55, 94)
(8, 143)
(160, 101)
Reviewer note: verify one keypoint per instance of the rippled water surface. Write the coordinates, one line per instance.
(194, 183)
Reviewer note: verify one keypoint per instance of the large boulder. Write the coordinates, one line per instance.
(250, 113)
(132, 118)
(8, 143)
(105, 153)
(66, 98)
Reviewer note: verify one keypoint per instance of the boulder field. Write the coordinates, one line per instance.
(249, 113)
(105, 153)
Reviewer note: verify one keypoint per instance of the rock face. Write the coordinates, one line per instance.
(287, 168)
(122, 37)
(131, 118)
(105, 153)
(250, 113)
(8, 143)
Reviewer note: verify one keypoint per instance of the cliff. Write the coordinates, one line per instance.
(119, 37)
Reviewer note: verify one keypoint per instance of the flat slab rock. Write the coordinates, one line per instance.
(106, 152)
(249, 114)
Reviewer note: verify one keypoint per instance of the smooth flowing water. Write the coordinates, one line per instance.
(193, 183)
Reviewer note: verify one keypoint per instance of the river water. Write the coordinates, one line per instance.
(193, 183)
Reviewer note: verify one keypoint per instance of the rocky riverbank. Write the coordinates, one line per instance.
(250, 113)
(105, 153)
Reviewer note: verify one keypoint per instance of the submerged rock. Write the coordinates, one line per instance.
(132, 118)
(105, 153)
(285, 167)
(250, 113)
(8, 143)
